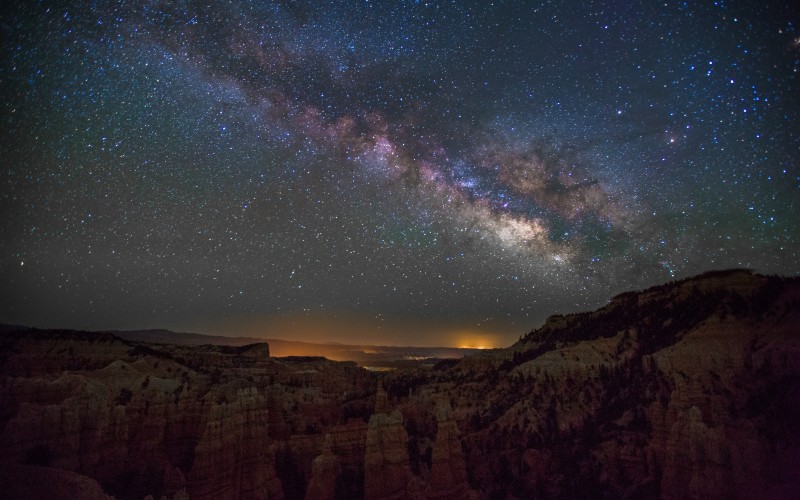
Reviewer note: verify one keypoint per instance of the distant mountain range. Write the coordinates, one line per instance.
(364, 355)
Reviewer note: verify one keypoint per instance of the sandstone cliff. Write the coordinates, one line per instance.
(134, 420)
(324, 471)
(387, 473)
(686, 390)
(448, 478)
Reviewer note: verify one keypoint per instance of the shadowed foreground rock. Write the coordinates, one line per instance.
(387, 473)
(686, 390)
(20, 482)
(448, 470)
(324, 471)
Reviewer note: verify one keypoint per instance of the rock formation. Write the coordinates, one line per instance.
(324, 471)
(160, 421)
(229, 458)
(23, 482)
(387, 472)
(448, 470)
(685, 390)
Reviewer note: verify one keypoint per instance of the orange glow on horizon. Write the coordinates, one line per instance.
(356, 330)
(473, 339)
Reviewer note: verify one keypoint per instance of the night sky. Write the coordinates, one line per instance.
(451, 172)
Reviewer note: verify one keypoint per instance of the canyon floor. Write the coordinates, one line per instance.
(686, 390)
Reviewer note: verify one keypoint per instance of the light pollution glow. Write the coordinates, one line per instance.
(358, 330)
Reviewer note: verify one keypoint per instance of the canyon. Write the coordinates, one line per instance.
(690, 389)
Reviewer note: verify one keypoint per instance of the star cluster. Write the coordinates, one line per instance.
(469, 165)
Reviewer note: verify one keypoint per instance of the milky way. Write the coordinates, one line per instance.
(468, 165)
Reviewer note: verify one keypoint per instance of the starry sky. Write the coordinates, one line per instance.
(415, 172)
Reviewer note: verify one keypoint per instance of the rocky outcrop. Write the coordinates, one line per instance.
(325, 470)
(278, 427)
(381, 400)
(387, 472)
(23, 482)
(140, 421)
(348, 442)
(230, 456)
(448, 470)
(687, 390)
(36, 353)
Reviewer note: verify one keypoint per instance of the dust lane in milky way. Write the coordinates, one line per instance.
(470, 166)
